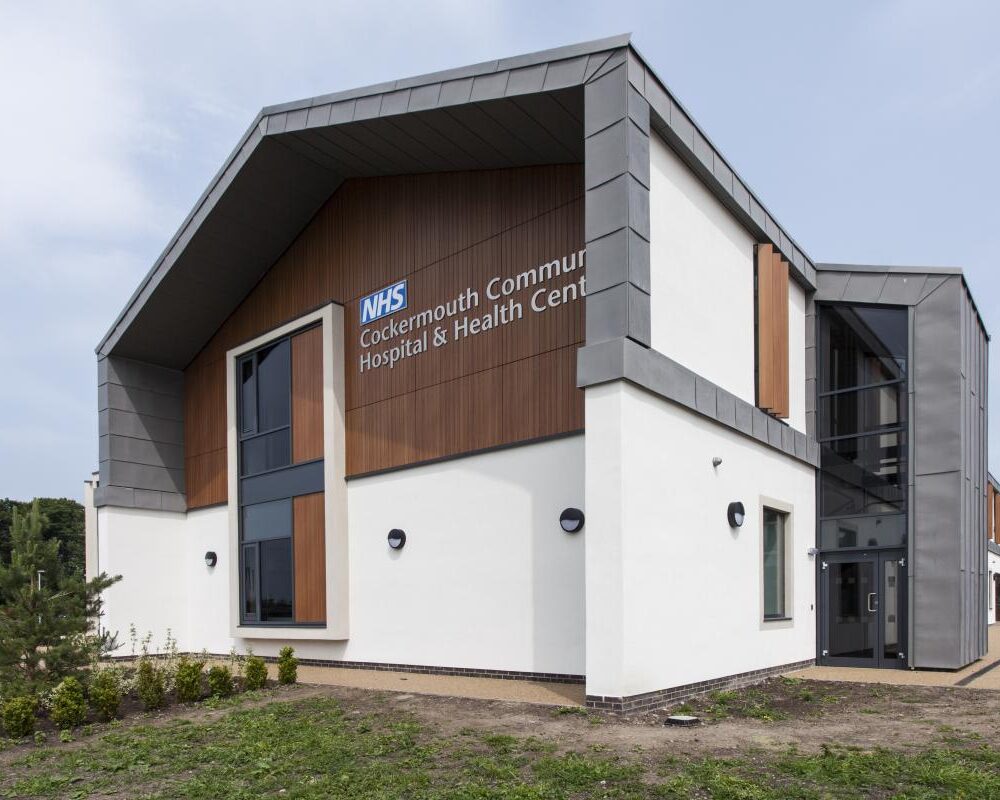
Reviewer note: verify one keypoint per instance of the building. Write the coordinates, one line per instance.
(993, 550)
(505, 371)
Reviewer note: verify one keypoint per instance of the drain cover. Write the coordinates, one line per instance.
(680, 719)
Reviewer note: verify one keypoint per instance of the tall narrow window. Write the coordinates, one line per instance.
(774, 564)
(862, 421)
(280, 430)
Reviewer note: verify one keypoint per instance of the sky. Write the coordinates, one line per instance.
(869, 129)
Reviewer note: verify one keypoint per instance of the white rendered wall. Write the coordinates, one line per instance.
(701, 277)
(701, 286)
(674, 595)
(487, 579)
(796, 356)
(148, 549)
(992, 569)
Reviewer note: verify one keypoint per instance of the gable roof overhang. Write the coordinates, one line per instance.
(518, 111)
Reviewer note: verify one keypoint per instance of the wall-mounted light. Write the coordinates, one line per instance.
(211, 559)
(397, 539)
(571, 520)
(736, 514)
(716, 461)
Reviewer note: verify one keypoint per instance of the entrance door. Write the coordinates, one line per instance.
(862, 612)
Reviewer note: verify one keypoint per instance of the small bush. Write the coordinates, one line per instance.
(69, 708)
(288, 665)
(106, 693)
(150, 685)
(220, 681)
(19, 716)
(66, 736)
(188, 680)
(255, 673)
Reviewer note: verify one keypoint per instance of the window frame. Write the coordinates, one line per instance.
(332, 319)
(785, 512)
(251, 433)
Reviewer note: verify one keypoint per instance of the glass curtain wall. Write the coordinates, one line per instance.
(861, 418)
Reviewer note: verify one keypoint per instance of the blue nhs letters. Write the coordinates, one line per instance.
(383, 302)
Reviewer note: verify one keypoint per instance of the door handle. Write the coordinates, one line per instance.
(872, 602)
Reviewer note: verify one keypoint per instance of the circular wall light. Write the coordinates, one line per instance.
(397, 539)
(211, 559)
(736, 514)
(571, 520)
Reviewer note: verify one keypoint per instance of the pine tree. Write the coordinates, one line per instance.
(47, 616)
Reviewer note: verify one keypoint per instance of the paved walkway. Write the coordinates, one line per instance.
(982, 674)
(553, 694)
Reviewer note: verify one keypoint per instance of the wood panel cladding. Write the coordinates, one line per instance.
(308, 539)
(772, 331)
(446, 233)
(307, 395)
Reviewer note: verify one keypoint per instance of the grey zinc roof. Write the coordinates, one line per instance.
(522, 110)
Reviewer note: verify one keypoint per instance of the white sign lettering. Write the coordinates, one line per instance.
(402, 336)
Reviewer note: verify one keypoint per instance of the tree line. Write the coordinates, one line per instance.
(62, 522)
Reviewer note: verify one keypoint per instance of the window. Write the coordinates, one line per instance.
(265, 409)
(862, 422)
(774, 564)
(266, 530)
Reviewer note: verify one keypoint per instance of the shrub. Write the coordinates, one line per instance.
(69, 708)
(19, 716)
(188, 680)
(106, 693)
(255, 673)
(150, 685)
(220, 681)
(288, 665)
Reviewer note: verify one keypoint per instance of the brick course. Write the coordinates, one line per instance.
(650, 701)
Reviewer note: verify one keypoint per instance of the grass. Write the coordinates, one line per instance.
(748, 703)
(312, 748)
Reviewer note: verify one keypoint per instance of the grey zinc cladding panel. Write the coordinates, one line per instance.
(902, 290)
(624, 359)
(617, 208)
(141, 412)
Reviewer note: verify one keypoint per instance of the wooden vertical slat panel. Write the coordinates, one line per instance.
(307, 395)
(310, 557)
(772, 332)
(765, 328)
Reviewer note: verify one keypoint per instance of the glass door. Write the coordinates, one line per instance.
(862, 604)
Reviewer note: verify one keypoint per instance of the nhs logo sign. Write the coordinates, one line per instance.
(383, 302)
